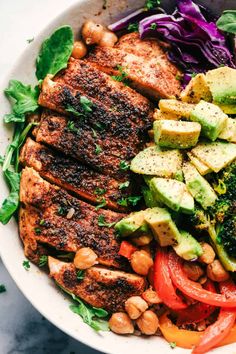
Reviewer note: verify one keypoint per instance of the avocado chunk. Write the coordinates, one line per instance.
(200, 166)
(229, 132)
(149, 199)
(176, 134)
(216, 155)
(196, 90)
(187, 202)
(227, 108)
(222, 83)
(188, 247)
(211, 118)
(172, 106)
(158, 115)
(198, 186)
(157, 162)
(162, 226)
(168, 191)
(131, 223)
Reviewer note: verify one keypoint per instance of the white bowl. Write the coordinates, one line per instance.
(37, 287)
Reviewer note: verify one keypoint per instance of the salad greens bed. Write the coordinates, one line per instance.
(198, 42)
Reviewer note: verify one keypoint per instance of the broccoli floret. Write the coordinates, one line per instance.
(227, 236)
(199, 220)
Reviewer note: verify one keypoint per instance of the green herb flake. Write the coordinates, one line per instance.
(193, 75)
(71, 127)
(153, 26)
(122, 77)
(102, 222)
(80, 274)
(43, 260)
(178, 77)
(129, 201)
(62, 211)
(98, 149)
(37, 230)
(102, 204)
(172, 345)
(30, 40)
(26, 265)
(42, 222)
(133, 27)
(100, 191)
(99, 126)
(55, 52)
(2, 288)
(124, 185)
(152, 4)
(86, 104)
(124, 166)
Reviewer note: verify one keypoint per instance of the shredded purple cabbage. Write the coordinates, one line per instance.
(196, 45)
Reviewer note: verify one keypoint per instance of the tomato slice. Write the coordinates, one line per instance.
(197, 312)
(192, 289)
(215, 333)
(163, 284)
(127, 249)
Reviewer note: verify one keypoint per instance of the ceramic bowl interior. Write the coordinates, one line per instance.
(38, 288)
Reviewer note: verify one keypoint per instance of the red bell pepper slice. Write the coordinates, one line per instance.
(163, 284)
(215, 333)
(192, 289)
(127, 249)
(197, 312)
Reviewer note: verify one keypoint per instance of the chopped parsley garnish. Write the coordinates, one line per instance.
(124, 185)
(30, 40)
(99, 126)
(100, 191)
(26, 265)
(153, 26)
(98, 149)
(2, 288)
(42, 222)
(43, 260)
(178, 77)
(122, 77)
(129, 201)
(102, 204)
(124, 166)
(133, 27)
(73, 111)
(61, 211)
(80, 274)
(85, 107)
(71, 126)
(193, 75)
(102, 222)
(94, 133)
(152, 4)
(37, 230)
(172, 345)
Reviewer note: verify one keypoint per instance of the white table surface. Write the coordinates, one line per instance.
(22, 328)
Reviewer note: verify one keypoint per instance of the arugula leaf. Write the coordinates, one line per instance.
(12, 118)
(102, 222)
(43, 260)
(152, 4)
(2, 288)
(227, 21)
(55, 52)
(26, 100)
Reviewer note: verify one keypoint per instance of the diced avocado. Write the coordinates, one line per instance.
(198, 186)
(164, 115)
(168, 191)
(196, 90)
(211, 118)
(188, 247)
(216, 155)
(229, 132)
(176, 134)
(227, 108)
(222, 83)
(187, 202)
(179, 175)
(162, 226)
(153, 161)
(131, 223)
(178, 108)
(200, 166)
(149, 199)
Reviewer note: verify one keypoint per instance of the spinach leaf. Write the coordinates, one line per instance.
(227, 21)
(55, 52)
(26, 100)
(9, 206)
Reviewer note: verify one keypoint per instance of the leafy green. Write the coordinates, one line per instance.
(98, 149)
(133, 27)
(71, 126)
(80, 274)
(86, 104)
(122, 77)
(129, 201)
(55, 52)
(26, 100)
(227, 21)
(151, 4)
(124, 166)
(100, 191)
(26, 265)
(102, 222)
(2, 288)
(43, 260)
(101, 204)
(153, 26)
(11, 203)
(124, 185)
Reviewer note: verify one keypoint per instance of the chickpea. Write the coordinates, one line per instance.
(216, 272)
(85, 258)
(193, 271)
(120, 323)
(141, 261)
(142, 240)
(151, 296)
(208, 255)
(92, 32)
(135, 306)
(108, 39)
(148, 323)
(79, 50)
